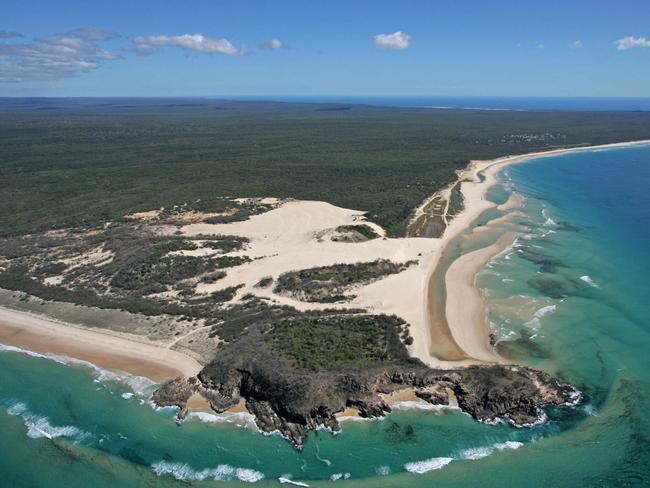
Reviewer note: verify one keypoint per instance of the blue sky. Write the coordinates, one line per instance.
(365, 48)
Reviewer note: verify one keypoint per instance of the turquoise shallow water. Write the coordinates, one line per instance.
(570, 297)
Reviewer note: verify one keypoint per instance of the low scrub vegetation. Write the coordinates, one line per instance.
(330, 284)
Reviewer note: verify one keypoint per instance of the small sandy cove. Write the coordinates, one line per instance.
(297, 235)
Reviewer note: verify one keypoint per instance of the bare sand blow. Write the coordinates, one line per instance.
(294, 236)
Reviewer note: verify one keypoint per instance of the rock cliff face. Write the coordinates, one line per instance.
(296, 370)
(296, 403)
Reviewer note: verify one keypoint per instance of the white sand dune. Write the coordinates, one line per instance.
(293, 236)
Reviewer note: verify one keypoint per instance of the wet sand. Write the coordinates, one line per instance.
(107, 350)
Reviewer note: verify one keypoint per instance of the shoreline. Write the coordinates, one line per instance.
(106, 350)
(465, 335)
(464, 319)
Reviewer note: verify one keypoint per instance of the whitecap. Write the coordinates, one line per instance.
(289, 481)
(223, 472)
(590, 410)
(339, 476)
(382, 470)
(587, 279)
(427, 465)
(475, 453)
(535, 322)
(127, 395)
(40, 426)
(508, 445)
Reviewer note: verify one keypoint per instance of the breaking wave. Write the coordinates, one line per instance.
(138, 384)
(223, 472)
(587, 279)
(483, 452)
(535, 322)
(39, 426)
(421, 405)
(340, 476)
(382, 470)
(285, 480)
(420, 467)
(240, 419)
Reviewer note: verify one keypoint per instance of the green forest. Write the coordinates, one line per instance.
(84, 161)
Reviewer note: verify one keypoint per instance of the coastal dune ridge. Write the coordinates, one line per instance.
(408, 294)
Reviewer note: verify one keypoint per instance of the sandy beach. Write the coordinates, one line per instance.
(295, 236)
(107, 350)
(465, 327)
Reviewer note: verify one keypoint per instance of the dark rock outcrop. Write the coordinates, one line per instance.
(294, 403)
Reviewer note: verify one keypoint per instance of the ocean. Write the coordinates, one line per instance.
(569, 297)
(477, 102)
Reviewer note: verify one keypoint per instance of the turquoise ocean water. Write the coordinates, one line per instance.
(571, 296)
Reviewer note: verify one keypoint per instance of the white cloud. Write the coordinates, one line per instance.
(540, 46)
(192, 42)
(274, 43)
(577, 44)
(630, 42)
(54, 57)
(392, 42)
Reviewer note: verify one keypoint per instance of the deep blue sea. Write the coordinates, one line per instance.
(484, 103)
(571, 296)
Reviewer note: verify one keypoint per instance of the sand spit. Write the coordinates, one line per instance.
(465, 326)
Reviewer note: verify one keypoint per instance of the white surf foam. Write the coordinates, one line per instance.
(483, 452)
(240, 419)
(382, 470)
(590, 410)
(536, 322)
(549, 222)
(475, 453)
(340, 476)
(139, 384)
(39, 426)
(587, 279)
(421, 405)
(289, 481)
(427, 465)
(508, 445)
(470, 454)
(325, 461)
(223, 472)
